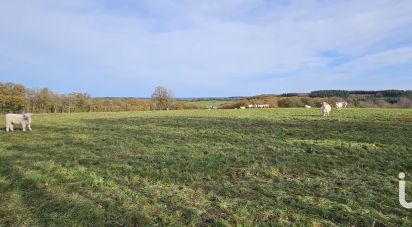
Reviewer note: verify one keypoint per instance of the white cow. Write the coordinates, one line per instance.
(250, 106)
(263, 106)
(341, 105)
(325, 109)
(243, 107)
(23, 119)
(307, 106)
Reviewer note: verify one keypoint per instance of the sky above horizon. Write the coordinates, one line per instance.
(199, 48)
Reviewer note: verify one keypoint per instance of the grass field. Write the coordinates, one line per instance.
(224, 167)
(209, 103)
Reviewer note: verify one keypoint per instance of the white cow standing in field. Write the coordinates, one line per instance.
(325, 109)
(307, 106)
(263, 106)
(341, 105)
(23, 119)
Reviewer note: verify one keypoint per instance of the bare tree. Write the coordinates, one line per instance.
(32, 96)
(162, 98)
(404, 102)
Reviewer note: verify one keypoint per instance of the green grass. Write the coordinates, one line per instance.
(225, 167)
(209, 103)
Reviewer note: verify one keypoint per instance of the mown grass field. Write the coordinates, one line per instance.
(223, 167)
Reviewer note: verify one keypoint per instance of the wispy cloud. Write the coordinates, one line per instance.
(398, 56)
(200, 48)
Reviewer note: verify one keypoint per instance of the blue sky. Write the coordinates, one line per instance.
(200, 48)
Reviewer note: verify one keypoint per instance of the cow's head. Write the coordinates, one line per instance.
(27, 117)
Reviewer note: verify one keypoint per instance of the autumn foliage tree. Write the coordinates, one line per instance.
(12, 97)
(15, 98)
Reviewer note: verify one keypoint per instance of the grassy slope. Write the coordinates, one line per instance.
(200, 167)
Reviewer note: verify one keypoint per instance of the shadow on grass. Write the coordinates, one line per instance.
(46, 207)
(70, 205)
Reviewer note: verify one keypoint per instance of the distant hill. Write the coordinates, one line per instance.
(313, 94)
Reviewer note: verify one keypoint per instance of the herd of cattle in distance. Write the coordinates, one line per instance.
(25, 119)
(325, 108)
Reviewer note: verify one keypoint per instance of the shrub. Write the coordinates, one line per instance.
(290, 102)
(366, 104)
(404, 102)
(382, 103)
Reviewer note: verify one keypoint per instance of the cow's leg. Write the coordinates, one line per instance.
(7, 128)
(29, 126)
(23, 126)
(11, 127)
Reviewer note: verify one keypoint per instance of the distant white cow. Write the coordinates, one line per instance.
(307, 106)
(341, 105)
(325, 109)
(243, 107)
(263, 106)
(23, 119)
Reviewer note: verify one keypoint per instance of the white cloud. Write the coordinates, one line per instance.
(204, 43)
(382, 59)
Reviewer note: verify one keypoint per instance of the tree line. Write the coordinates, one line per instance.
(345, 93)
(16, 98)
(358, 101)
